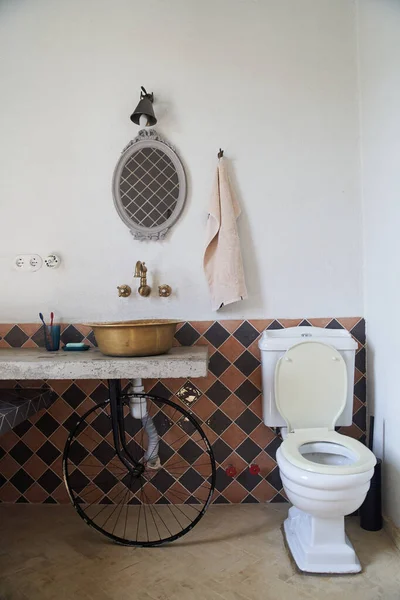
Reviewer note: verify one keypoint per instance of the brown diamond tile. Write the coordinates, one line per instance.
(84, 406)
(255, 350)
(8, 493)
(232, 324)
(32, 383)
(29, 344)
(264, 492)
(201, 326)
(255, 378)
(150, 493)
(231, 349)
(262, 435)
(203, 342)
(84, 329)
(210, 434)
(319, 322)
(60, 410)
(265, 462)
(202, 466)
(7, 384)
(93, 438)
(59, 437)
(4, 344)
(352, 431)
(174, 384)
(8, 466)
(290, 322)
(9, 439)
(60, 494)
(174, 437)
(148, 384)
(256, 407)
(349, 322)
(176, 494)
(57, 466)
(30, 328)
(357, 404)
(35, 466)
(59, 385)
(236, 461)
(233, 407)
(261, 324)
(204, 383)
(36, 494)
(235, 492)
(204, 408)
(233, 436)
(5, 328)
(357, 375)
(232, 378)
(86, 385)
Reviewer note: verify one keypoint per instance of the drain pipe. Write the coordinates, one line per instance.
(138, 410)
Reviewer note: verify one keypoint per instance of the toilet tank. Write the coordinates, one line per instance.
(274, 343)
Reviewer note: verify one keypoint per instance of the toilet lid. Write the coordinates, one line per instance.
(311, 386)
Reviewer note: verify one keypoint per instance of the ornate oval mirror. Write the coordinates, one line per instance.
(149, 186)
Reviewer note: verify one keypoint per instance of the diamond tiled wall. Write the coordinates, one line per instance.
(227, 402)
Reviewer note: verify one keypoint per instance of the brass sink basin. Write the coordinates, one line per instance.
(144, 337)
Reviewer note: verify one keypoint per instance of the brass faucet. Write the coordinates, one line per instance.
(141, 271)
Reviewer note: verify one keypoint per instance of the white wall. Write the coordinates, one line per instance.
(273, 83)
(379, 45)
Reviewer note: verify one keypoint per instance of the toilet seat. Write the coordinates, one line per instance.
(290, 448)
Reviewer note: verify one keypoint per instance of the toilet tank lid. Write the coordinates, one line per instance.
(282, 339)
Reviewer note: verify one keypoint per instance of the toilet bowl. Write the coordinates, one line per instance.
(325, 475)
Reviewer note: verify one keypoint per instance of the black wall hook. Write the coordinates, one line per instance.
(220, 153)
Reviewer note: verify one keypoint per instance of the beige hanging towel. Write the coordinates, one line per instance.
(223, 264)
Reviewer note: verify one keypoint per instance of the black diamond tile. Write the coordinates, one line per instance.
(190, 451)
(216, 334)
(48, 453)
(191, 480)
(222, 480)
(49, 481)
(274, 479)
(218, 393)
(38, 337)
(187, 335)
(2, 480)
(361, 360)
(78, 481)
(278, 498)
(74, 396)
(360, 389)
(221, 500)
(2, 452)
(360, 418)
(192, 500)
(221, 450)
(102, 424)
(359, 331)
(218, 364)
(305, 323)
(46, 424)
(248, 421)
(273, 447)
(104, 452)
(22, 428)
(187, 425)
(246, 334)
(92, 339)
(162, 481)
(77, 453)
(105, 480)
(163, 500)
(334, 325)
(20, 452)
(250, 500)
(219, 422)
(49, 500)
(247, 392)
(71, 421)
(363, 439)
(100, 394)
(132, 483)
(162, 423)
(248, 450)
(71, 334)
(249, 481)
(22, 500)
(132, 426)
(246, 363)
(16, 337)
(164, 451)
(188, 393)
(275, 325)
(21, 480)
(160, 390)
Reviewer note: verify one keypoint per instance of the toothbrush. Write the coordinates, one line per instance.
(42, 319)
(46, 333)
(51, 319)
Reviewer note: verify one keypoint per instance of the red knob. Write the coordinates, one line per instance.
(254, 469)
(231, 471)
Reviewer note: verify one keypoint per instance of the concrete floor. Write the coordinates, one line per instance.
(236, 552)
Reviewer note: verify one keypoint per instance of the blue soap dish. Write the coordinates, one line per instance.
(75, 347)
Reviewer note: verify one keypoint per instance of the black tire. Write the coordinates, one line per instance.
(167, 501)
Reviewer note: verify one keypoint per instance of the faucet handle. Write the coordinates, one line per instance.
(124, 291)
(164, 290)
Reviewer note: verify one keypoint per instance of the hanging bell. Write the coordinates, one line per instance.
(145, 107)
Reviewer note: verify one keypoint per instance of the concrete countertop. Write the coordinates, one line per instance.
(21, 363)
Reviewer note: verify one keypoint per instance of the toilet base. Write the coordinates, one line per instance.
(319, 545)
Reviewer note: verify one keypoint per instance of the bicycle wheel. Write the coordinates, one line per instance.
(160, 504)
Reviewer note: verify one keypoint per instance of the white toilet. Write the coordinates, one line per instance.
(308, 378)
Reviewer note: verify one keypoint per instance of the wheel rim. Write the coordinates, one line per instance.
(159, 506)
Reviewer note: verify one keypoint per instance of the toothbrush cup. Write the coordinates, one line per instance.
(52, 337)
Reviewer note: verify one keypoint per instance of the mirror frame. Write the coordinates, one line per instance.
(148, 138)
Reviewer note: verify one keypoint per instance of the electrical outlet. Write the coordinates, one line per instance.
(28, 262)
